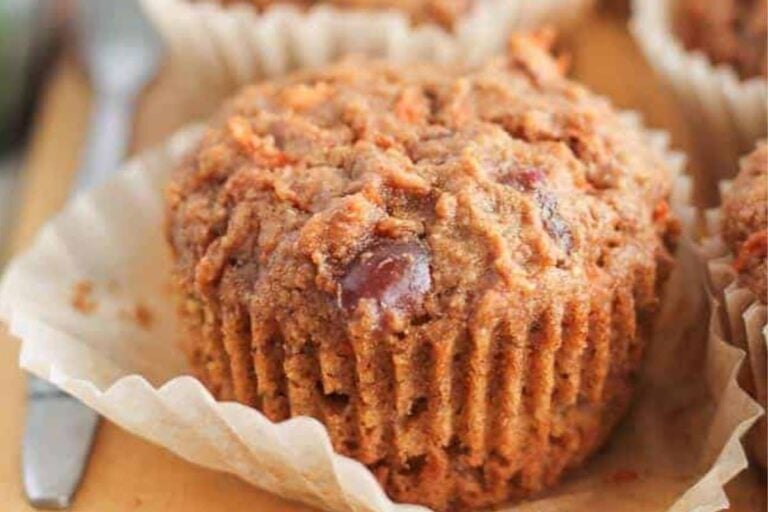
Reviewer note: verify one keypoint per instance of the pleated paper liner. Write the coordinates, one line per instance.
(120, 356)
(740, 318)
(727, 114)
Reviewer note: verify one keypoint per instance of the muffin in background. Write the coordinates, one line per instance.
(712, 53)
(454, 269)
(253, 39)
(745, 220)
(228, 44)
(730, 32)
(745, 231)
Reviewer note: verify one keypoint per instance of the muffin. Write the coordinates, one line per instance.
(712, 54)
(745, 221)
(745, 231)
(455, 269)
(731, 32)
(441, 12)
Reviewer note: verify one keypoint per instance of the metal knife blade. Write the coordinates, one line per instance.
(121, 52)
(57, 441)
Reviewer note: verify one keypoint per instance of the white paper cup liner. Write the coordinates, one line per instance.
(740, 318)
(674, 452)
(728, 114)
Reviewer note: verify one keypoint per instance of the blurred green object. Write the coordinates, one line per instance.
(25, 30)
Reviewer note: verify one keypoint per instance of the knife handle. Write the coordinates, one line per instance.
(109, 130)
(57, 439)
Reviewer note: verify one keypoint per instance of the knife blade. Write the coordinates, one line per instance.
(121, 52)
(57, 441)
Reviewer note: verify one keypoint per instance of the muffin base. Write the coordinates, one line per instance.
(459, 420)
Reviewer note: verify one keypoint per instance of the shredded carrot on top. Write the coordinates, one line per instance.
(261, 148)
(661, 212)
(383, 141)
(755, 246)
(303, 96)
(241, 131)
(410, 106)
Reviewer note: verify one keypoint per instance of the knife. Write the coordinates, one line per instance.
(121, 52)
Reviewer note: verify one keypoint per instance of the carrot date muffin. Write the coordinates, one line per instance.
(454, 269)
(442, 12)
(733, 32)
(745, 231)
(745, 221)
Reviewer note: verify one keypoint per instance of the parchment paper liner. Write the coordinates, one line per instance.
(238, 45)
(675, 452)
(740, 319)
(727, 113)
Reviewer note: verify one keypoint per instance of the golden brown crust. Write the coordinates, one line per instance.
(442, 12)
(745, 220)
(733, 32)
(453, 269)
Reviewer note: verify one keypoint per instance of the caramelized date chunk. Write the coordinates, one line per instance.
(531, 179)
(524, 180)
(395, 274)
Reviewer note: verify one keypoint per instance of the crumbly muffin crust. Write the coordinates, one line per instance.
(745, 220)
(731, 32)
(455, 270)
(443, 12)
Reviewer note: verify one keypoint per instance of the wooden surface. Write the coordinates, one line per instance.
(129, 474)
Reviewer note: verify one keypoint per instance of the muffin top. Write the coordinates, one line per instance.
(442, 12)
(397, 193)
(745, 215)
(730, 32)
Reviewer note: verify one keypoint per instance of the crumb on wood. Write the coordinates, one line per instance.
(82, 297)
(623, 476)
